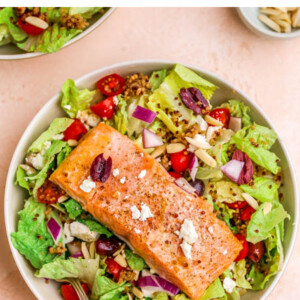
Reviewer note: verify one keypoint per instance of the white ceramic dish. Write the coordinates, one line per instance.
(249, 16)
(14, 195)
(12, 52)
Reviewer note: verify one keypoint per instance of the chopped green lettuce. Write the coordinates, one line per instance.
(261, 224)
(57, 126)
(53, 14)
(166, 99)
(121, 115)
(215, 290)
(239, 274)
(226, 214)
(73, 208)
(66, 150)
(32, 238)
(21, 179)
(93, 225)
(264, 189)
(240, 110)
(157, 78)
(5, 36)
(135, 262)
(83, 269)
(74, 99)
(85, 12)
(161, 296)
(181, 297)
(227, 191)
(260, 154)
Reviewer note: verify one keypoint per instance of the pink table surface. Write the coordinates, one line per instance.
(212, 38)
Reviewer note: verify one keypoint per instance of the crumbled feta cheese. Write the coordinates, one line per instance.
(88, 118)
(225, 252)
(210, 230)
(67, 234)
(58, 137)
(158, 159)
(122, 180)
(68, 107)
(142, 154)
(116, 172)
(187, 249)
(47, 145)
(135, 212)
(29, 170)
(87, 185)
(188, 232)
(137, 230)
(145, 212)
(82, 232)
(116, 101)
(211, 131)
(201, 122)
(229, 285)
(126, 197)
(192, 148)
(142, 174)
(35, 160)
(231, 267)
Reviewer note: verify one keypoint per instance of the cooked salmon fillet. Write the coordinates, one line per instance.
(153, 239)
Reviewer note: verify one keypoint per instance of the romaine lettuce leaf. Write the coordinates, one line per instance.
(21, 179)
(73, 208)
(135, 262)
(83, 269)
(157, 78)
(74, 98)
(93, 225)
(227, 191)
(5, 36)
(66, 150)
(85, 12)
(215, 290)
(239, 274)
(32, 238)
(121, 115)
(53, 14)
(161, 296)
(261, 225)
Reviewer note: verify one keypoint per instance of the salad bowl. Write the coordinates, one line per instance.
(12, 52)
(14, 196)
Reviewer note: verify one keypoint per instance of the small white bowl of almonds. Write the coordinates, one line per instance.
(274, 22)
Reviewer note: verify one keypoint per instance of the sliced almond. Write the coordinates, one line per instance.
(129, 296)
(296, 18)
(176, 147)
(62, 199)
(120, 250)
(212, 121)
(137, 274)
(37, 22)
(58, 208)
(137, 292)
(251, 201)
(72, 143)
(120, 259)
(267, 208)
(270, 11)
(158, 151)
(85, 251)
(286, 27)
(267, 21)
(199, 141)
(92, 250)
(206, 158)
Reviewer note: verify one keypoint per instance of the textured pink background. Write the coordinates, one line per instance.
(212, 38)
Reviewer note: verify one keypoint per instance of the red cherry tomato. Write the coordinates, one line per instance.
(256, 251)
(69, 293)
(222, 115)
(104, 109)
(49, 192)
(243, 253)
(180, 161)
(28, 28)
(246, 213)
(75, 131)
(175, 175)
(237, 204)
(114, 268)
(111, 85)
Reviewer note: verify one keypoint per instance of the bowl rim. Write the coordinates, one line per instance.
(78, 37)
(147, 62)
(265, 31)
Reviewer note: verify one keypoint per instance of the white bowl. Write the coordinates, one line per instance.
(249, 16)
(14, 195)
(12, 52)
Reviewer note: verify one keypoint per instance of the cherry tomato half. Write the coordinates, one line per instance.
(114, 268)
(49, 192)
(69, 293)
(175, 175)
(243, 253)
(75, 131)
(28, 28)
(111, 85)
(222, 115)
(104, 109)
(180, 161)
(256, 251)
(237, 204)
(246, 213)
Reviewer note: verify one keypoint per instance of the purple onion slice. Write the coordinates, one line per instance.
(101, 168)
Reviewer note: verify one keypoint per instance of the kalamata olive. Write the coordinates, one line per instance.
(256, 251)
(101, 168)
(107, 246)
(198, 185)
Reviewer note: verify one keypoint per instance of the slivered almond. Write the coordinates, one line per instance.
(158, 151)
(85, 251)
(267, 208)
(206, 158)
(137, 292)
(251, 201)
(37, 22)
(199, 141)
(266, 20)
(62, 199)
(129, 296)
(137, 274)
(120, 250)
(58, 208)
(296, 18)
(212, 121)
(176, 147)
(92, 250)
(120, 259)
(72, 143)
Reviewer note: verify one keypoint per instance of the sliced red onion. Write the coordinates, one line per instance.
(235, 124)
(152, 284)
(193, 99)
(183, 183)
(144, 114)
(77, 254)
(101, 168)
(247, 172)
(193, 166)
(54, 229)
(233, 169)
(150, 139)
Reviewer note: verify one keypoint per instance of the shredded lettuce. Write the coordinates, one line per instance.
(134, 261)
(239, 274)
(74, 99)
(215, 290)
(121, 115)
(5, 37)
(227, 191)
(85, 12)
(93, 225)
(73, 208)
(157, 78)
(21, 179)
